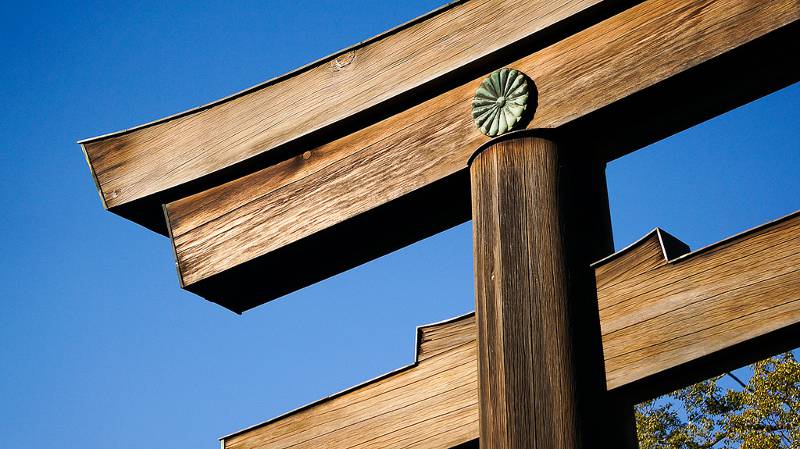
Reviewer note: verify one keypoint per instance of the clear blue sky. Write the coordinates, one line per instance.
(100, 348)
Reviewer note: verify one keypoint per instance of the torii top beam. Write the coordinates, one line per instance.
(137, 168)
(261, 201)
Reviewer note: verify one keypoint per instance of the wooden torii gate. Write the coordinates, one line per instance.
(380, 145)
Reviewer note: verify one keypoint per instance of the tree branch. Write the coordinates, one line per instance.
(739, 381)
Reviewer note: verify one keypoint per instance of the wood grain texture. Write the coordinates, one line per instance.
(431, 404)
(539, 335)
(744, 288)
(527, 369)
(434, 339)
(597, 69)
(679, 309)
(146, 160)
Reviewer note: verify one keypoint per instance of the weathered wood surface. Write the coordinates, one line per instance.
(150, 159)
(431, 404)
(689, 308)
(675, 311)
(601, 68)
(527, 367)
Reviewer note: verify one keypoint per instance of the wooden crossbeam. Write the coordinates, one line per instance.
(349, 200)
(136, 170)
(430, 404)
(660, 309)
(667, 317)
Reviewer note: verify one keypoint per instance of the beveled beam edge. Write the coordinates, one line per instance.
(675, 250)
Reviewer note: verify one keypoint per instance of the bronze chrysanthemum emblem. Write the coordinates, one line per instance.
(500, 101)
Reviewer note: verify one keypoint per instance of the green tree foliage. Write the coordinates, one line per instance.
(764, 413)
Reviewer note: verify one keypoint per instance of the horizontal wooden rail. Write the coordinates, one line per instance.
(353, 198)
(137, 169)
(431, 404)
(659, 311)
(668, 318)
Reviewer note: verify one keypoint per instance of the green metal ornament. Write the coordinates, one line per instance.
(500, 101)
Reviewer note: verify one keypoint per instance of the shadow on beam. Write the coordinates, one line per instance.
(708, 90)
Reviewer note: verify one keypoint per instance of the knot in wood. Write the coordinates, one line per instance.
(343, 61)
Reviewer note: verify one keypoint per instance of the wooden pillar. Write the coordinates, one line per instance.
(540, 357)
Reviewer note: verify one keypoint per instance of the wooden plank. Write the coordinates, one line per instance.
(703, 306)
(347, 87)
(687, 307)
(599, 75)
(431, 404)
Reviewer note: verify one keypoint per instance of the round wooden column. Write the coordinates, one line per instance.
(528, 283)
